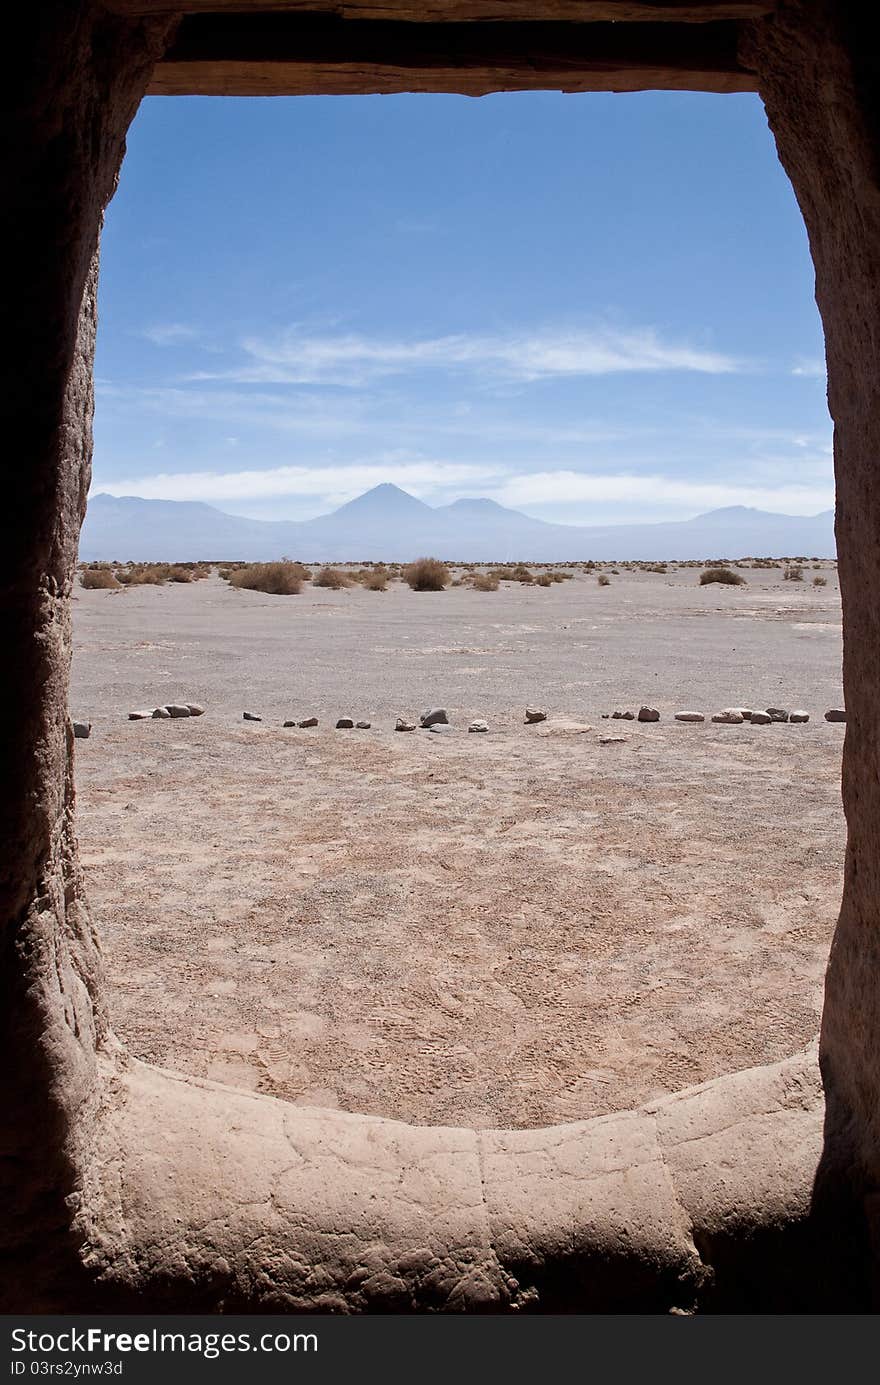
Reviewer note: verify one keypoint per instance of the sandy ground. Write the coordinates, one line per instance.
(510, 929)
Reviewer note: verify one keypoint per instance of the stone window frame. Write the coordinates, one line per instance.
(124, 1186)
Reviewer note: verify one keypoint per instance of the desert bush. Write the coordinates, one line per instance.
(98, 579)
(820, 581)
(521, 573)
(426, 575)
(655, 567)
(793, 573)
(145, 574)
(603, 579)
(544, 579)
(376, 581)
(282, 578)
(330, 577)
(485, 582)
(725, 575)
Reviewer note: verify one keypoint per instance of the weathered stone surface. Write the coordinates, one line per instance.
(291, 54)
(144, 715)
(287, 724)
(403, 725)
(250, 716)
(648, 714)
(760, 719)
(364, 725)
(689, 716)
(188, 1196)
(799, 716)
(835, 714)
(816, 67)
(535, 714)
(163, 714)
(307, 722)
(178, 709)
(196, 709)
(434, 716)
(82, 730)
(479, 726)
(612, 740)
(440, 728)
(345, 724)
(623, 716)
(729, 717)
(777, 714)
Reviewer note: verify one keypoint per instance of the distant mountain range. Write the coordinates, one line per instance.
(388, 523)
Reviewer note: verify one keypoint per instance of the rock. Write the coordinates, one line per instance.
(835, 714)
(82, 730)
(440, 727)
(648, 714)
(250, 716)
(143, 715)
(777, 714)
(434, 716)
(729, 717)
(307, 721)
(745, 712)
(163, 714)
(196, 709)
(535, 714)
(605, 716)
(623, 716)
(479, 726)
(364, 725)
(344, 724)
(178, 709)
(760, 718)
(288, 723)
(403, 725)
(689, 716)
(613, 740)
(799, 716)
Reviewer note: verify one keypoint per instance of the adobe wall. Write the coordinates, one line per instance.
(120, 1184)
(819, 75)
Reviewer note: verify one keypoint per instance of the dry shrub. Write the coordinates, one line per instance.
(793, 573)
(426, 575)
(330, 577)
(725, 575)
(145, 574)
(603, 579)
(98, 579)
(544, 579)
(820, 581)
(522, 574)
(485, 582)
(376, 581)
(283, 578)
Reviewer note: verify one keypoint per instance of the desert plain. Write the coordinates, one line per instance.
(509, 929)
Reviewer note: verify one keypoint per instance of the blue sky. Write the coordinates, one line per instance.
(592, 308)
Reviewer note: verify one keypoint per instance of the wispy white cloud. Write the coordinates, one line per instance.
(169, 333)
(299, 358)
(335, 484)
(811, 366)
(570, 487)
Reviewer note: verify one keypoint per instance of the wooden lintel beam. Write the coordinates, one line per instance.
(253, 55)
(468, 11)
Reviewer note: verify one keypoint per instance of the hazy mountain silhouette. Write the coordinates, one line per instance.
(388, 523)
